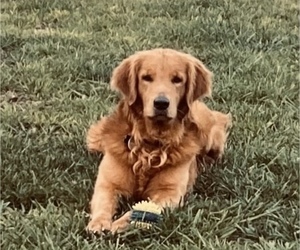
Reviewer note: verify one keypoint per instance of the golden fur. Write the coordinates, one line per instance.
(159, 161)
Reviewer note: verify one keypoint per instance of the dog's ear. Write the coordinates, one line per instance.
(125, 77)
(199, 81)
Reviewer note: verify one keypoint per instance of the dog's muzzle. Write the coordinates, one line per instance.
(161, 105)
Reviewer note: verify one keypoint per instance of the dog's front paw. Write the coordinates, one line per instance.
(99, 225)
(121, 224)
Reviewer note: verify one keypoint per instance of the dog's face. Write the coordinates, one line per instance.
(161, 85)
(164, 80)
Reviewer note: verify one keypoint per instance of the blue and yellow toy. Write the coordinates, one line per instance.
(145, 214)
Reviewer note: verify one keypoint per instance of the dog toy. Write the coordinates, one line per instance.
(145, 214)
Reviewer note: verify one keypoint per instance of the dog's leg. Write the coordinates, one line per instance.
(168, 187)
(218, 136)
(104, 200)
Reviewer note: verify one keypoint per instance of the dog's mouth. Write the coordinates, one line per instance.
(160, 116)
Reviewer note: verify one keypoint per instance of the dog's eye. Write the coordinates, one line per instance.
(147, 78)
(176, 79)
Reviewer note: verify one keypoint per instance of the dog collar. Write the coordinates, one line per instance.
(128, 140)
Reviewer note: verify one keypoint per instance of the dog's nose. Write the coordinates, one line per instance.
(161, 103)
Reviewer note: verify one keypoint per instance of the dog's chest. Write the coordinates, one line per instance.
(145, 145)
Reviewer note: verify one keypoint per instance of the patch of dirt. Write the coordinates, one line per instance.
(12, 97)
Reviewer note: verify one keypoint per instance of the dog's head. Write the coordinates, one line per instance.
(166, 81)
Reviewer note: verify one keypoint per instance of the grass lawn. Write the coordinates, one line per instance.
(56, 62)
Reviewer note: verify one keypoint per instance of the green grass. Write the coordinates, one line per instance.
(56, 61)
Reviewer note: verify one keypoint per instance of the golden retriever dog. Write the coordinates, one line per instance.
(159, 136)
